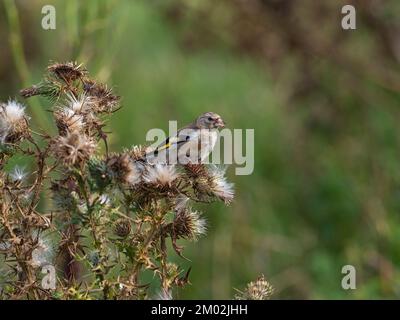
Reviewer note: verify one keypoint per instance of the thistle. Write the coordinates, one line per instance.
(260, 289)
(13, 122)
(73, 148)
(111, 214)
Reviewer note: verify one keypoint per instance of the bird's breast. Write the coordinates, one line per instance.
(209, 138)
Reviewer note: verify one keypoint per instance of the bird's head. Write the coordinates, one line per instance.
(210, 120)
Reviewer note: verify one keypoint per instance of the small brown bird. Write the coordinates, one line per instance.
(192, 143)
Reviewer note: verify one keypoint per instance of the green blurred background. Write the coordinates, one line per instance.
(324, 104)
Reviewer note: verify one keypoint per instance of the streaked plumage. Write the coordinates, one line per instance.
(192, 143)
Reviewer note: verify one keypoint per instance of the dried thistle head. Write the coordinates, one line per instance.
(137, 152)
(210, 181)
(13, 122)
(188, 224)
(195, 170)
(68, 120)
(78, 114)
(79, 105)
(102, 98)
(73, 148)
(124, 169)
(219, 185)
(67, 71)
(160, 175)
(122, 227)
(260, 289)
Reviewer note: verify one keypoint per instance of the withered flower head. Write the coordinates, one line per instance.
(124, 169)
(80, 105)
(219, 185)
(122, 227)
(189, 224)
(199, 177)
(13, 122)
(68, 71)
(137, 152)
(101, 96)
(196, 170)
(73, 148)
(260, 289)
(68, 120)
(133, 175)
(160, 175)
(210, 181)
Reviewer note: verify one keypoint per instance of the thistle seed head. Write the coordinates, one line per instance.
(102, 98)
(137, 152)
(124, 169)
(122, 228)
(219, 185)
(13, 122)
(189, 224)
(73, 148)
(260, 289)
(160, 175)
(68, 120)
(68, 71)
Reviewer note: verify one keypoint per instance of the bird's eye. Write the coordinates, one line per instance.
(210, 119)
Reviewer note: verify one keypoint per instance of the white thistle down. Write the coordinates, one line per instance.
(189, 224)
(198, 225)
(260, 289)
(164, 295)
(71, 118)
(74, 147)
(220, 185)
(11, 115)
(133, 175)
(18, 174)
(42, 254)
(78, 105)
(160, 174)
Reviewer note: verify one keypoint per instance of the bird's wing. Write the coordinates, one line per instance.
(183, 135)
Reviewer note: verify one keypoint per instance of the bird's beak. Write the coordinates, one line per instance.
(220, 123)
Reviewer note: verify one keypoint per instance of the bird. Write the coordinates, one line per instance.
(192, 143)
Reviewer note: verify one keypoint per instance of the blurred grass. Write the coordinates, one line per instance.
(326, 187)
